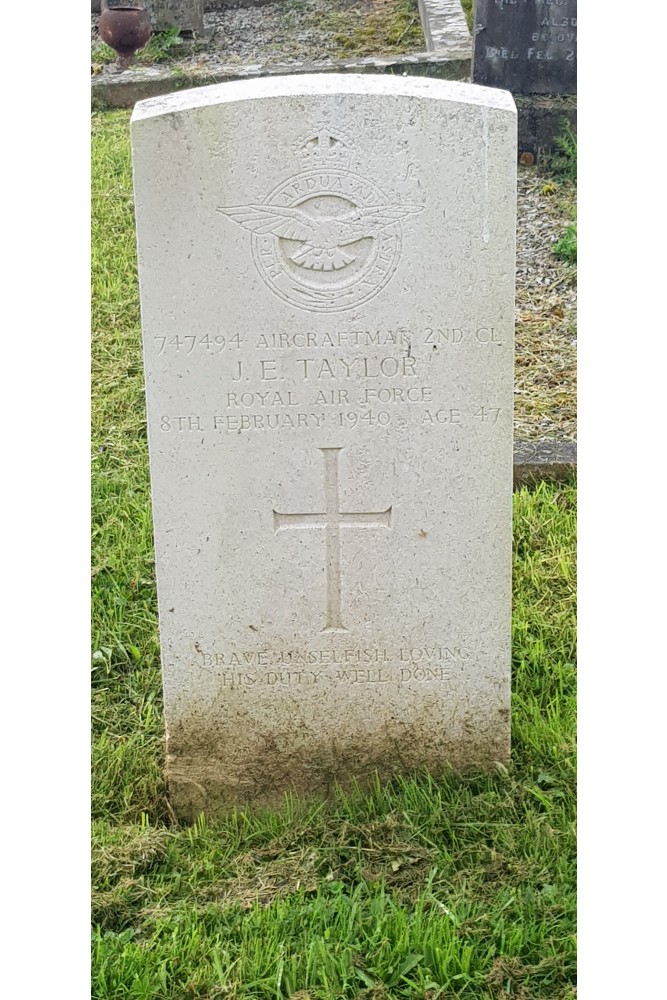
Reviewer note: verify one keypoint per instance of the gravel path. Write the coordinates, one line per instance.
(546, 339)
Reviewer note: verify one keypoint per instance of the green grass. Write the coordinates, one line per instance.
(393, 28)
(161, 47)
(562, 165)
(566, 247)
(385, 27)
(423, 888)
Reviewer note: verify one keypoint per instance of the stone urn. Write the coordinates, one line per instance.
(125, 27)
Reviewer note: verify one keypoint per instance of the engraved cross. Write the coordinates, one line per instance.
(331, 520)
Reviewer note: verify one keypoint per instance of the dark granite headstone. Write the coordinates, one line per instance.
(526, 46)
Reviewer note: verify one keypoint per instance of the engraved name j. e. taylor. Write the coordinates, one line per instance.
(326, 239)
(316, 369)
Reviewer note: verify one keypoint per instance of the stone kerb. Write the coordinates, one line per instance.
(445, 28)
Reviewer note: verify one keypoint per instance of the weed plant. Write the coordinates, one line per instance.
(566, 247)
(562, 165)
(469, 11)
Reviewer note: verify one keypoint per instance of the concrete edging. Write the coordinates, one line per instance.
(445, 27)
(535, 461)
(124, 90)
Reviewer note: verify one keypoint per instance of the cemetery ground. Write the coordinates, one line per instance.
(423, 888)
(287, 31)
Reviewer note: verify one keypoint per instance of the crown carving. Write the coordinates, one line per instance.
(325, 148)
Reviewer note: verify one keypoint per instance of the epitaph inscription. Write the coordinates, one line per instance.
(526, 46)
(326, 269)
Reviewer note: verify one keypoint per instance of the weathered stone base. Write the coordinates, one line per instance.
(541, 121)
(293, 763)
(125, 89)
(534, 461)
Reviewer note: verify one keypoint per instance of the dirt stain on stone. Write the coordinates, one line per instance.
(212, 767)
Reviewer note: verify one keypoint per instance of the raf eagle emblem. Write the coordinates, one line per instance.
(327, 240)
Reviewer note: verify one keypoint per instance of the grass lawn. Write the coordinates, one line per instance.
(448, 888)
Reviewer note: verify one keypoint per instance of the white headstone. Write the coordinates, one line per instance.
(327, 290)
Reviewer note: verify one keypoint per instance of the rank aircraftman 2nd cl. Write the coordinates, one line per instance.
(326, 239)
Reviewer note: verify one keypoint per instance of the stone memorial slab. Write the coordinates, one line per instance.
(526, 46)
(327, 292)
(188, 15)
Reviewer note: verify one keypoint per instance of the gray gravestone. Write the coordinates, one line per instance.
(327, 299)
(526, 46)
(185, 14)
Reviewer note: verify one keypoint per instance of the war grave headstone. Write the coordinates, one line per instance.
(327, 292)
(529, 47)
